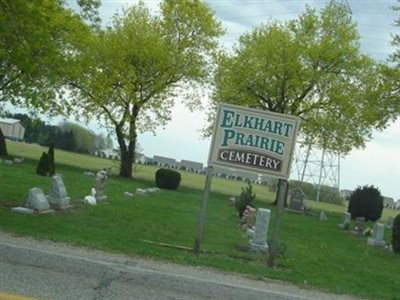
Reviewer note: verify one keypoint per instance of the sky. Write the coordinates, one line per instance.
(377, 164)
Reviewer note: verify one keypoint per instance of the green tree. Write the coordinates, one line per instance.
(246, 198)
(102, 141)
(38, 41)
(44, 165)
(83, 138)
(392, 71)
(310, 67)
(133, 69)
(65, 139)
(396, 38)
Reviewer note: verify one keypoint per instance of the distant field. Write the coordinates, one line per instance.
(314, 254)
(93, 163)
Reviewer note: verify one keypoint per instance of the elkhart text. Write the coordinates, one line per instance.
(253, 140)
(232, 121)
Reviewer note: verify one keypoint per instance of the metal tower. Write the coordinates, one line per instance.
(318, 167)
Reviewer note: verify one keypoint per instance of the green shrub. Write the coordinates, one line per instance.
(43, 167)
(52, 169)
(246, 198)
(168, 179)
(281, 248)
(366, 202)
(396, 235)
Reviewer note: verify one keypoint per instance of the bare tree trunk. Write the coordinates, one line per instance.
(126, 164)
(3, 145)
(127, 152)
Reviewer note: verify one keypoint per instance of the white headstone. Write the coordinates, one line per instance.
(90, 200)
(389, 223)
(37, 200)
(101, 176)
(345, 220)
(58, 193)
(18, 160)
(322, 216)
(259, 241)
(88, 173)
(22, 210)
(153, 190)
(378, 231)
(377, 236)
(231, 201)
(141, 192)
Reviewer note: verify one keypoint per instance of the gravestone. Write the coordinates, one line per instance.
(344, 224)
(231, 201)
(389, 223)
(322, 216)
(58, 194)
(22, 210)
(360, 224)
(128, 194)
(140, 192)
(249, 217)
(377, 236)
(101, 177)
(108, 170)
(88, 173)
(258, 243)
(37, 200)
(18, 160)
(91, 199)
(296, 201)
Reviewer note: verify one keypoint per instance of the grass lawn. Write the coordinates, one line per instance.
(317, 254)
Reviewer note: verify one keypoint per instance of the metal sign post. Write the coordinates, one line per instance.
(202, 216)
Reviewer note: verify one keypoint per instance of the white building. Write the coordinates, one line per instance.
(190, 166)
(388, 202)
(12, 129)
(345, 194)
(397, 205)
(108, 153)
(241, 175)
(142, 159)
(165, 161)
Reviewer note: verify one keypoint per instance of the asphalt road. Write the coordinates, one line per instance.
(46, 270)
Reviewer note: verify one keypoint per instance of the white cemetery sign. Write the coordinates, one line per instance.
(254, 140)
